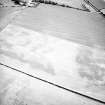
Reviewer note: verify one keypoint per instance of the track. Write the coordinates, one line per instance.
(58, 86)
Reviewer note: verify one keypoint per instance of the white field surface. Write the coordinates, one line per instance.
(66, 23)
(19, 89)
(65, 63)
(35, 43)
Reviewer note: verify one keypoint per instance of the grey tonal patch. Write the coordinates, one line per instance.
(90, 68)
(35, 64)
(27, 42)
(5, 81)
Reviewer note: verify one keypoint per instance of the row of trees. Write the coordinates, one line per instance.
(52, 2)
